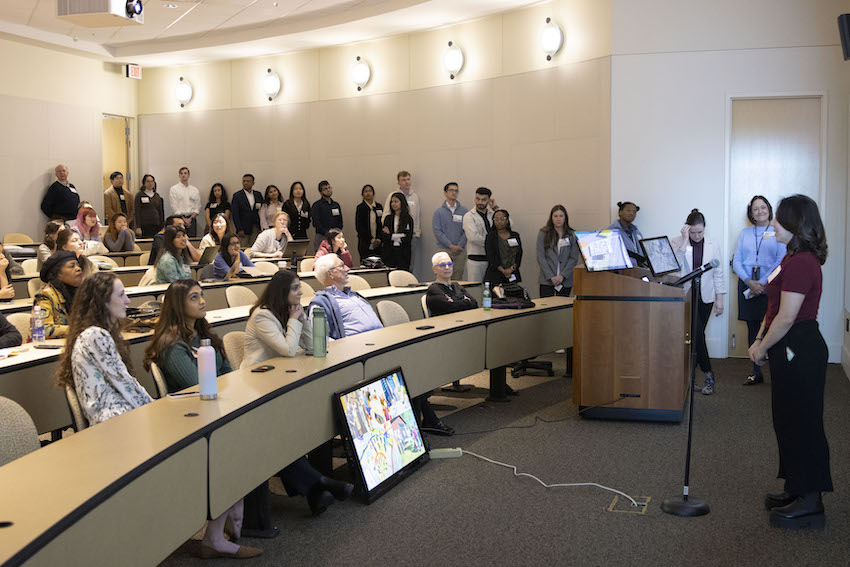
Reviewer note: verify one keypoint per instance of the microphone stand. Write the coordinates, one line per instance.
(685, 506)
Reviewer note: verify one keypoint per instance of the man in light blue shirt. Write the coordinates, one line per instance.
(448, 228)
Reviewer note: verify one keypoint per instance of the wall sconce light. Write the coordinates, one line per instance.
(453, 60)
(183, 92)
(551, 38)
(271, 84)
(360, 73)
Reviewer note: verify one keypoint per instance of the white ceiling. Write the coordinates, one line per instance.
(203, 30)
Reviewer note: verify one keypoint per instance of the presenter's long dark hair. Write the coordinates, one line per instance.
(799, 215)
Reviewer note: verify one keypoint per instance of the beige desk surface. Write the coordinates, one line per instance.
(102, 461)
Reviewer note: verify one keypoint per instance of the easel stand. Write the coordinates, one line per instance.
(684, 505)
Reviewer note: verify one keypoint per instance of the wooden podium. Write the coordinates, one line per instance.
(631, 346)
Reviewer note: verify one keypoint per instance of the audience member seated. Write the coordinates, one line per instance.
(118, 237)
(557, 254)
(6, 289)
(150, 208)
(298, 209)
(629, 231)
(350, 314)
(70, 241)
(272, 205)
(335, 243)
(9, 335)
(217, 204)
(278, 326)
(158, 240)
(443, 296)
(63, 276)
(504, 251)
(271, 243)
(97, 362)
(229, 252)
(173, 262)
(220, 227)
(48, 244)
(397, 233)
(88, 227)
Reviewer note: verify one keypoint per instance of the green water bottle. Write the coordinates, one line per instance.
(487, 301)
(320, 332)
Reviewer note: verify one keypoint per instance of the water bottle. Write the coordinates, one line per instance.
(294, 265)
(487, 301)
(206, 371)
(37, 325)
(320, 332)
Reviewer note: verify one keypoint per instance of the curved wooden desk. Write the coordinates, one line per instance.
(145, 472)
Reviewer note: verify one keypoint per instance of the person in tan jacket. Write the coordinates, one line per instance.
(116, 199)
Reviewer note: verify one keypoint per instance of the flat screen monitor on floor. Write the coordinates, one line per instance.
(382, 437)
(603, 250)
(659, 254)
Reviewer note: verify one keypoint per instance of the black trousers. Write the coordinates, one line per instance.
(550, 291)
(297, 478)
(423, 410)
(703, 313)
(798, 375)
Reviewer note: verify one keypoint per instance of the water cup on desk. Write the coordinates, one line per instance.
(282, 264)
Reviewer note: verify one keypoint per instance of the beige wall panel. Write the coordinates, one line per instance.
(163, 139)
(256, 136)
(208, 143)
(28, 119)
(358, 126)
(587, 34)
(71, 135)
(298, 72)
(388, 58)
(292, 134)
(480, 41)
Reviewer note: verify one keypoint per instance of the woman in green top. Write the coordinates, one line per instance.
(174, 259)
(177, 336)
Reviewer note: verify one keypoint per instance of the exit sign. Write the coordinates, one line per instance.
(134, 71)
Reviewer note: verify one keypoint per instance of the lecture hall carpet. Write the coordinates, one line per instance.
(468, 512)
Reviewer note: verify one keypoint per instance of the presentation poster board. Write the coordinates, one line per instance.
(382, 436)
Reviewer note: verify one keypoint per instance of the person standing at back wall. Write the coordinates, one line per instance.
(327, 213)
(413, 204)
(245, 211)
(185, 201)
(448, 229)
(116, 199)
(476, 225)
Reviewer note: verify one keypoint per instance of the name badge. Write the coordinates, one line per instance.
(74, 191)
(513, 242)
(457, 218)
(773, 274)
(335, 212)
(563, 242)
(304, 214)
(145, 200)
(257, 206)
(512, 278)
(770, 234)
(121, 196)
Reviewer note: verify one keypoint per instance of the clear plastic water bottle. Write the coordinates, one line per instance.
(207, 382)
(487, 301)
(37, 325)
(320, 332)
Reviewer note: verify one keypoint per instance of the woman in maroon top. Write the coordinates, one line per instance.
(790, 336)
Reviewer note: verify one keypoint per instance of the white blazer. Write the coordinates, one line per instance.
(709, 286)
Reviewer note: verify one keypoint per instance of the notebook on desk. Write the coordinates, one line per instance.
(298, 246)
(208, 256)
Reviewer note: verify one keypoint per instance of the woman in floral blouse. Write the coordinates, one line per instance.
(96, 361)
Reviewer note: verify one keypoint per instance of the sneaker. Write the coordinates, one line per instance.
(753, 380)
(709, 383)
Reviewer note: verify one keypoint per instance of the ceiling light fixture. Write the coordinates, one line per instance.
(453, 60)
(183, 92)
(271, 84)
(551, 38)
(360, 73)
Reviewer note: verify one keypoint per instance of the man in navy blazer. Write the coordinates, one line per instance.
(245, 208)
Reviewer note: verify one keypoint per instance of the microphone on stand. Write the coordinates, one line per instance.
(696, 273)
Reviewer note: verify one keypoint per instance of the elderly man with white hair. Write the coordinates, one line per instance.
(350, 314)
(61, 200)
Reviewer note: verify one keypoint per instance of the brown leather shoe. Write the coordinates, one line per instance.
(244, 552)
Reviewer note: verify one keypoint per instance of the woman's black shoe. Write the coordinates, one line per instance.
(753, 380)
(805, 512)
(340, 490)
(318, 498)
(777, 499)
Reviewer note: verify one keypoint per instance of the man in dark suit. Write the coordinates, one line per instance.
(245, 208)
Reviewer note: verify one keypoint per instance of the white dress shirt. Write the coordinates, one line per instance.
(184, 199)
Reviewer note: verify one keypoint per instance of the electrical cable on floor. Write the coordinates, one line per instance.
(536, 420)
(559, 485)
